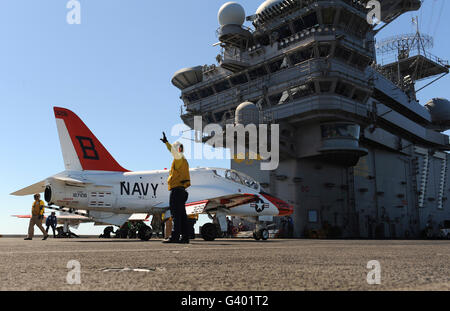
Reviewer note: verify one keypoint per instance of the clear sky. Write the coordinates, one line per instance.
(114, 71)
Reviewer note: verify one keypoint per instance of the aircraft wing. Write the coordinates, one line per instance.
(70, 181)
(40, 186)
(227, 202)
(22, 216)
(30, 190)
(72, 218)
(61, 218)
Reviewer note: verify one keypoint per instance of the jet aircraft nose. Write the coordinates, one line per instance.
(284, 208)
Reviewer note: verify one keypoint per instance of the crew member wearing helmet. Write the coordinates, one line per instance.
(179, 180)
(37, 215)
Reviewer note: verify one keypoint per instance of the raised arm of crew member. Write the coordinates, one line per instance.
(179, 180)
(179, 172)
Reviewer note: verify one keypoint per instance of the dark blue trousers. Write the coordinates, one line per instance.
(178, 198)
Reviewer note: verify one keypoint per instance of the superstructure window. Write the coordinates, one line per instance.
(361, 61)
(340, 130)
(328, 16)
(325, 86)
(222, 86)
(359, 26)
(343, 89)
(278, 64)
(324, 49)
(359, 95)
(239, 79)
(342, 53)
(283, 32)
(345, 18)
(192, 97)
(205, 92)
(257, 73)
(302, 90)
(279, 98)
(305, 22)
(219, 116)
(302, 55)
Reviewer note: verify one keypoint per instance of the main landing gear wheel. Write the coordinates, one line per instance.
(145, 233)
(262, 234)
(209, 232)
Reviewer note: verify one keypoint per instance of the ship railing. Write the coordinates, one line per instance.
(394, 58)
(234, 54)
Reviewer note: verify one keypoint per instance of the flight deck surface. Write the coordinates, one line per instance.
(226, 264)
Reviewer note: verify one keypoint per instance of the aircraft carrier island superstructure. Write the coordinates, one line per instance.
(359, 156)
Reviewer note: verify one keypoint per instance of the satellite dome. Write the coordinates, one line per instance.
(439, 109)
(267, 4)
(247, 113)
(231, 13)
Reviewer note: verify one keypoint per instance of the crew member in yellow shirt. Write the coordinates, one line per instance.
(179, 180)
(37, 215)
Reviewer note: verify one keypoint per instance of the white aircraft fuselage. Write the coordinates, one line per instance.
(93, 181)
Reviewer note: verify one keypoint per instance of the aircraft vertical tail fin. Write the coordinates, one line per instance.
(81, 150)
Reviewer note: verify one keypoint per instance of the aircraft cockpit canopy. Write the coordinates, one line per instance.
(237, 177)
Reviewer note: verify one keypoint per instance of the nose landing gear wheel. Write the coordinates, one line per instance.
(262, 234)
(209, 232)
(145, 233)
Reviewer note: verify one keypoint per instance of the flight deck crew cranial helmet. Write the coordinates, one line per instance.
(37, 196)
(178, 147)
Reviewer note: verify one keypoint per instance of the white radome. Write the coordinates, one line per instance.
(267, 4)
(231, 13)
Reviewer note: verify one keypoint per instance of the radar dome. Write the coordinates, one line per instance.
(267, 4)
(439, 109)
(231, 13)
(247, 113)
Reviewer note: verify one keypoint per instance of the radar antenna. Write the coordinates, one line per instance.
(411, 60)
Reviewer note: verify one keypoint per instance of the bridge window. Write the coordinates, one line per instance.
(361, 61)
(278, 65)
(328, 16)
(345, 18)
(325, 86)
(218, 116)
(342, 53)
(192, 97)
(359, 95)
(222, 86)
(340, 130)
(239, 79)
(324, 49)
(303, 90)
(283, 32)
(300, 56)
(343, 89)
(257, 73)
(206, 92)
(279, 98)
(305, 22)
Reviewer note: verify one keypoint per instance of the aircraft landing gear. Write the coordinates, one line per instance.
(209, 232)
(145, 232)
(216, 229)
(262, 231)
(261, 234)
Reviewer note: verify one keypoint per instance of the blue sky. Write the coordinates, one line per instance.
(114, 71)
